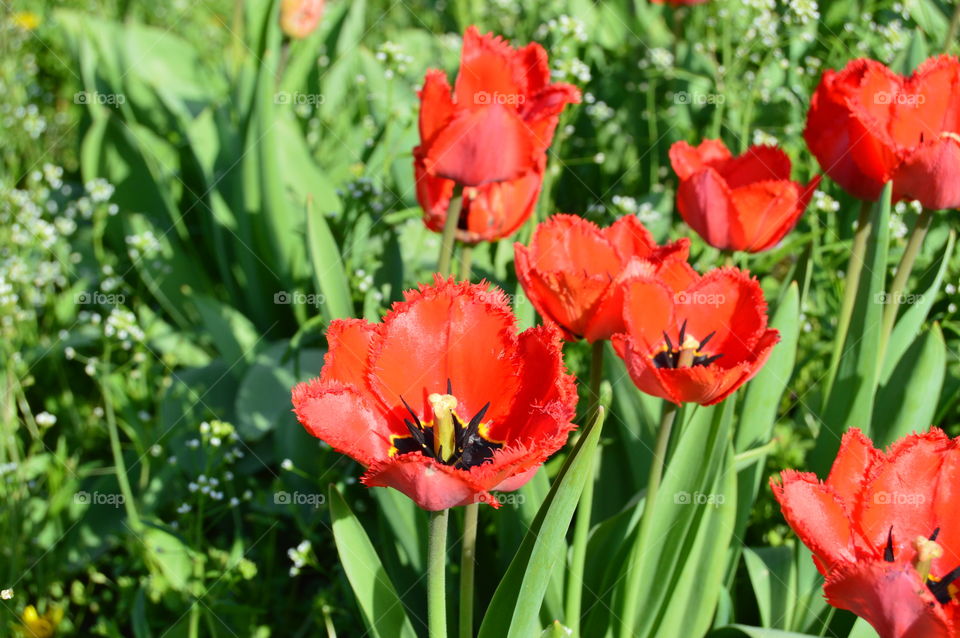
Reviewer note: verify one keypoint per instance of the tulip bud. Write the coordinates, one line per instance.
(298, 18)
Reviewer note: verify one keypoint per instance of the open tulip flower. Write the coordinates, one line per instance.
(443, 400)
(697, 345)
(573, 271)
(743, 203)
(489, 135)
(884, 530)
(868, 125)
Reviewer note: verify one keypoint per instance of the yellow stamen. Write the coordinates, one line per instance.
(444, 440)
(927, 551)
(688, 350)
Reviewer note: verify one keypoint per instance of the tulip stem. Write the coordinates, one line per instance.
(914, 244)
(436, 575)
(467, 568)
(629, 617)
(952, 30)
(466, 262)
(581, 532)
(450, 231)
(850, 287)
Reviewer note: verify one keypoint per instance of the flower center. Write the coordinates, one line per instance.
(688, 353)
(928, 549)
(446, 437)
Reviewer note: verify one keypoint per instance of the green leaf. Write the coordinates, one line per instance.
(233, 335)
(909, 324)
(850, 403)
(383, 611)
(263, 398)
(328, 272)
(908, 401)
(514, 610)
(167, 555)
(743, 631)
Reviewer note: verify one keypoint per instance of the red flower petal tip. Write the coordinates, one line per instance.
(443, 400)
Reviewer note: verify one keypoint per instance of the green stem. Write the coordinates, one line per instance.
(436, 575)
(952, 31)
(450, 232)
(467, 568)
(914, 244)
(581, 532)
(850, 287)
(653, 486)
(466, 262)
(120, 467)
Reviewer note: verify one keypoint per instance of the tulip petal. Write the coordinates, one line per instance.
(462, 150)
(854, 459)
(766, 212)
(760, 163)
(707, 206)
(890, 597)
(931, 173)
(687, 160)
(463, 333)
(348, 346)
(343, 418)
(431, 485)
(818, 515)
(487, 68)
(436, 104)
(899, 492)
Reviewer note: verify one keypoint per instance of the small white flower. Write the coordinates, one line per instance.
(45, 419)
(6, 594)
(287, 464)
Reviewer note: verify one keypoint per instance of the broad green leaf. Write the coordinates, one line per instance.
(408, 523)
(914, 314)
(862, 629)
(328, 272)
(514, 610)
(679, 518)
(383, 611)
(168, 555)
(263, 397)
(908, 402)
(850, 403)
(743, 631)
(234, 337)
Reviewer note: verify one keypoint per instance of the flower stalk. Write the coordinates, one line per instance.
(436, 574)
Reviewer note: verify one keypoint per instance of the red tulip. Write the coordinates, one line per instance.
(884, 530)
(868, 125)
(443, 400)
(738, 203)
(298, 18)
(573, 271)
(698, 345)
(488, 135)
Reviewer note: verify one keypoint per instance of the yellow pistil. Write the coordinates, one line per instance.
(927, 551)
(444, 440)
(688, 350)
